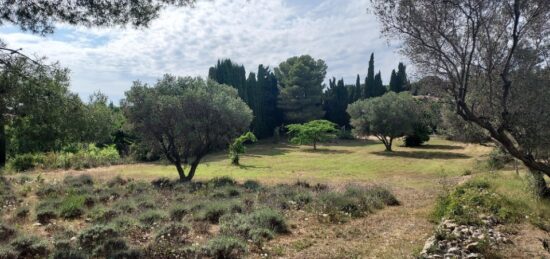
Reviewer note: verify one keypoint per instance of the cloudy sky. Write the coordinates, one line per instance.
(187, 41)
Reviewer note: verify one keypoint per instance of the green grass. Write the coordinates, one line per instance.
(344, 161)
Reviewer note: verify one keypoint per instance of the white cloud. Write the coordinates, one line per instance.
(187, 41)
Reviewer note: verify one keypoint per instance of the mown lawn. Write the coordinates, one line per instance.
(340, 162)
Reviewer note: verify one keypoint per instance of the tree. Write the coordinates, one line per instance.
(228, 73)
(300, 82)
(335, 102)
(373, 83)
(484, 50)
(387, 117)
(312, 132)
(186, 118)
(40, 17)
(237, 147)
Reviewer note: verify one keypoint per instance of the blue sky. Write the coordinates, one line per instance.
(187, 41)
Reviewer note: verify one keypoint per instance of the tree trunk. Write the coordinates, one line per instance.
(192, 170)
(314, 145)
(3, 152)
(235, 159)
(388, 147)
(539, 185)
(181, 172)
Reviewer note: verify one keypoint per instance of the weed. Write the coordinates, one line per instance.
(225, 247)
(151, 217)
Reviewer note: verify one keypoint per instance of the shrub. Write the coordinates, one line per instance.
(178, 211)
(30, 247)
(269, 219)
(72, 206)
(498, 158)
(25, 162)
(225, 247)
(217, 182)
(6, 232)
(49, 190)
(78, 181)
(260, 235)
(69, 253)
(345, 134)
(102, 214)
(151, 216)
(146, 203)
(45, 215)
(174, 233)
(125, 206)
(22, 212)
(258, 226)
(162, 183)
(212, 212)
(7, 252)
(467, 202)
(420, 134)
(116, 181)
(252, 185)
(95, 236)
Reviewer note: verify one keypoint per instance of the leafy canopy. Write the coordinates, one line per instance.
(312, 132)
(237, 147)
(186, 118)
(387, 117)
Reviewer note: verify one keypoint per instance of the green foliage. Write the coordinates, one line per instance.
(498, 159)
(217, 182)
(45, 215)
(473, 199)
(30, 247)
(420, 134)
(96, 236)
(72, 206)
(150, 217)
(212, 211)
(252, 185)
(85, 156)
(225, 247)
(6, 232)
(174, 232)
(174, 114)
(78, 181)
(312, 132)
(178, 211)
(22, 212)
(301, 88)
(237, 147)
(354, 202)
(373, 83)
(335, 102)
(387, 117)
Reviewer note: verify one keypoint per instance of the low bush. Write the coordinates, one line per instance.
(162, 183)
(7, 252)
(225, 247)
(174, 232)
(116, 181)
(70, 253)
(6, 233)
(150, 217)
(45, 215)
(25, 162)
(252, 185)
(469, 201)
(178, 211)
(257, 226)
(102, 214)
(217, 182)
(95, 236)
(78, 181)
(498, 158)
(212, 211)
(30, 247)
(72, 206)
(22, 212)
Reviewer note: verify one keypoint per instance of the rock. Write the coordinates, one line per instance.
(429, 244)
(73, 239)
(474, 255)
(454, 250)
(37, 224)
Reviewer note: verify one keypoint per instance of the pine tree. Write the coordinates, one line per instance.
(301, 88)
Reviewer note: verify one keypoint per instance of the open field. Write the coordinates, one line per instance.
(416, 176)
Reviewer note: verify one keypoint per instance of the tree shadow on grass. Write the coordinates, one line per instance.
(326, 151)
(422, 154)
(246, 167)
(443, 147)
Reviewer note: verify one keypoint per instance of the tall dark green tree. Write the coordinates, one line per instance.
(356, 93)
(369, 80)
(379, 88)
(300, 82)
(271, 116)
(335, 102)
(229, 73)
(399, 81)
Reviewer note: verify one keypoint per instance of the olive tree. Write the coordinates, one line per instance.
(312, 132)
(488, 53)
(186, 118)
(387, 117)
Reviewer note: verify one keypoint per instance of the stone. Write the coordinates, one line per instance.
(472, 246)
(37, 224)
(454, 250)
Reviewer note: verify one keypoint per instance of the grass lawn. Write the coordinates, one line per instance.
(341, 162)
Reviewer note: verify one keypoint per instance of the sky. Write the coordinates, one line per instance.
(187, 41)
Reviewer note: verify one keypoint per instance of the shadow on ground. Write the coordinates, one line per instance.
(443, 147)
(422, 154)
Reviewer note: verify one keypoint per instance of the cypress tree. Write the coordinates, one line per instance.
(335, 102)
(402, 77)
(394, 82)
(379, 88)
(369, 80)
(357, 90)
